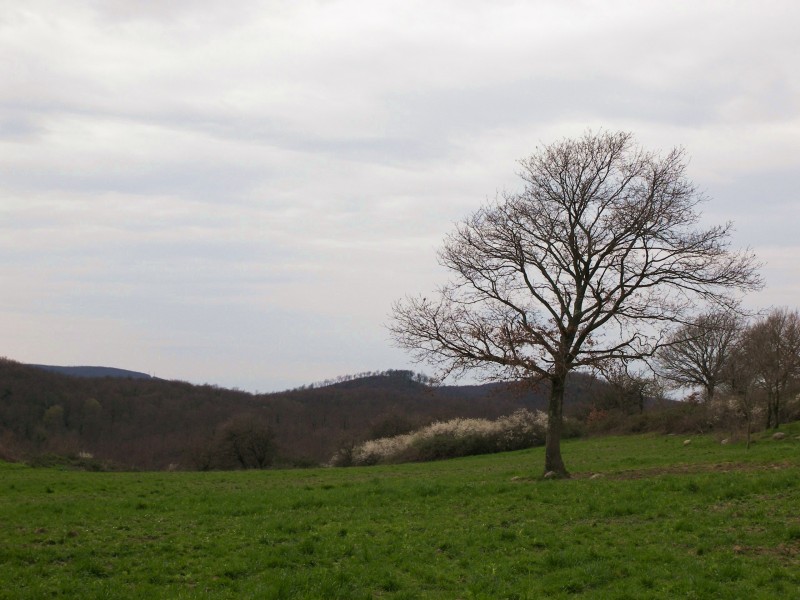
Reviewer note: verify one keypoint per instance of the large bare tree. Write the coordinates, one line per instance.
(697, 353)
(588, 263)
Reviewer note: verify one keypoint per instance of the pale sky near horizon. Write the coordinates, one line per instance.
(236, 192)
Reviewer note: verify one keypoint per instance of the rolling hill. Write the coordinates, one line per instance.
(135, 421)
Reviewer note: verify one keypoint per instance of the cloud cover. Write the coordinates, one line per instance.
(236, 192)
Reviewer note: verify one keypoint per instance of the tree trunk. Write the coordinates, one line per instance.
(770, 405)
(710, 392)
(749, 430)
(552, 453)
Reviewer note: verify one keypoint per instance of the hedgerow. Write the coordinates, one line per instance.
(450, 439)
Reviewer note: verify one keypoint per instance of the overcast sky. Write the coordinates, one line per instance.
(236, 192)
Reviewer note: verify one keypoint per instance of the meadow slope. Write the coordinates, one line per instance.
(663, 520)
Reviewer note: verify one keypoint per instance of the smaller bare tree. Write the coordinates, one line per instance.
(696, 354)
(773, 347)
(628, 388)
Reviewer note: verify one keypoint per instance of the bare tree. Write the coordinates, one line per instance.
(598, 254)
(773, 347)
(739, 377)
(696, 353)
(247, 441)
(627, 389)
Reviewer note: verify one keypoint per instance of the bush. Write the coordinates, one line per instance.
(450, 439)
(79, 462)
(443, 446)
(244, 441)
(792, 409)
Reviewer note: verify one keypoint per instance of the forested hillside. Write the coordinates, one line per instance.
(155, 424)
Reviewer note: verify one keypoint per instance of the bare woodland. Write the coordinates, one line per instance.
(755, 366)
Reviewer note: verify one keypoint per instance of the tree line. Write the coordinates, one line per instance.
(752, 367)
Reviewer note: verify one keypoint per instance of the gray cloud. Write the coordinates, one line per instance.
(236, 192)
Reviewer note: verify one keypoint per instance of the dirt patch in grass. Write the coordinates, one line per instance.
(689, 469)
(692, 470)
(788, 554)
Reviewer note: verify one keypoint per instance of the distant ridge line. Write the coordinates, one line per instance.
(93, 372)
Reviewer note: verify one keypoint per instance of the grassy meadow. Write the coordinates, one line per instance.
(663, 520)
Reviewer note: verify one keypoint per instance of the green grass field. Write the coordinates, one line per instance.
(664, 521)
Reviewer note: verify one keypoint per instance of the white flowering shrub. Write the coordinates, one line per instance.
(449, 439)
